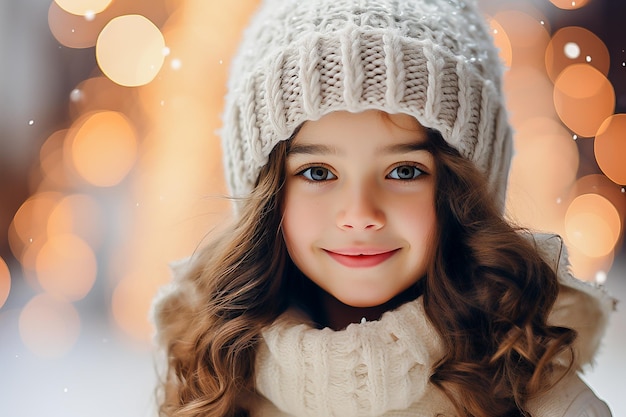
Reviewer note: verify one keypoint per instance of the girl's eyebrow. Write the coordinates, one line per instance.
(400, 148)
(311, 149)
(396, 148)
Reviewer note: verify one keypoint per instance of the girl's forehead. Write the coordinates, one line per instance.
(371, 122)
(367, 134)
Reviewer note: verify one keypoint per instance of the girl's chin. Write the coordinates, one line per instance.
(365, 303)
(362, 301)
(376, 300)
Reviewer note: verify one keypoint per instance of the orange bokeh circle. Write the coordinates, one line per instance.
(583, 98)
(66, 267)
(610, 148)
(569, 4)
(48, 326)
(103, 147)
(592, 225)
(590, 49)
(5, 282)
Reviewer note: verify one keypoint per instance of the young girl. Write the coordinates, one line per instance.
(368, 270)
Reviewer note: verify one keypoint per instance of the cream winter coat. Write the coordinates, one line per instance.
(381, 368)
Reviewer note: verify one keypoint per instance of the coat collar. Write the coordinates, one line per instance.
(371, 368)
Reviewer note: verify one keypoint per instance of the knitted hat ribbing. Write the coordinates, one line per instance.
(299, 60)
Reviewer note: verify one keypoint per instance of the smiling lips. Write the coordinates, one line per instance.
(361, 258)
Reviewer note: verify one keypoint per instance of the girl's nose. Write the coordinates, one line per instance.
(361, 210)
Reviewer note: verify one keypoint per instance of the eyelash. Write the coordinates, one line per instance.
(417, 170)
(302, 172)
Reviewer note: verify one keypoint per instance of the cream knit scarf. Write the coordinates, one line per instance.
(367, 369)
(372, 368)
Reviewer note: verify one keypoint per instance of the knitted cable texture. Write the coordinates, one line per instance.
(368, 369)
(299, 60)
(382, 368)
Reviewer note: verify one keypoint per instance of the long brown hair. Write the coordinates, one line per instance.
(488, 293)
(209, 325)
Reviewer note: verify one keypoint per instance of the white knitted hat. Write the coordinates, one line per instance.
(301, 59)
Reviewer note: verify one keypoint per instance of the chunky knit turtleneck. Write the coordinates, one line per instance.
(368, 369)
(382, 368)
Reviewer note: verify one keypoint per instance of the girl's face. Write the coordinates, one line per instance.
(359, 205)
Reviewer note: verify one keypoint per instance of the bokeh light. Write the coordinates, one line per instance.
(28, 261)
(584, 266)
(5, 282)
(30, 221)
(589, 268)
(80, 215)
(66, 267)
(103, 148)
(81, 31)
(600, 184)
(129, 50)
(569, 4)
(583, 98)
(72, 30)
(571, 50)
(83, 7)
(592, 225)
(48, 326)
(53, 172)
(527, 35)
(131, 303)
(502, 42)
(610, 148)
(576, 45)
(529, 91)
(97, 93)
(537, 197)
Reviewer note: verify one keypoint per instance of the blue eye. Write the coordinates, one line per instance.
(318, 174)
(405, 172)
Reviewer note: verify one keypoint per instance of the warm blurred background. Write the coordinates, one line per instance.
(110, 168)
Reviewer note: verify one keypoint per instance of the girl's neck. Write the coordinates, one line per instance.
(327, 311)
(337, 315)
